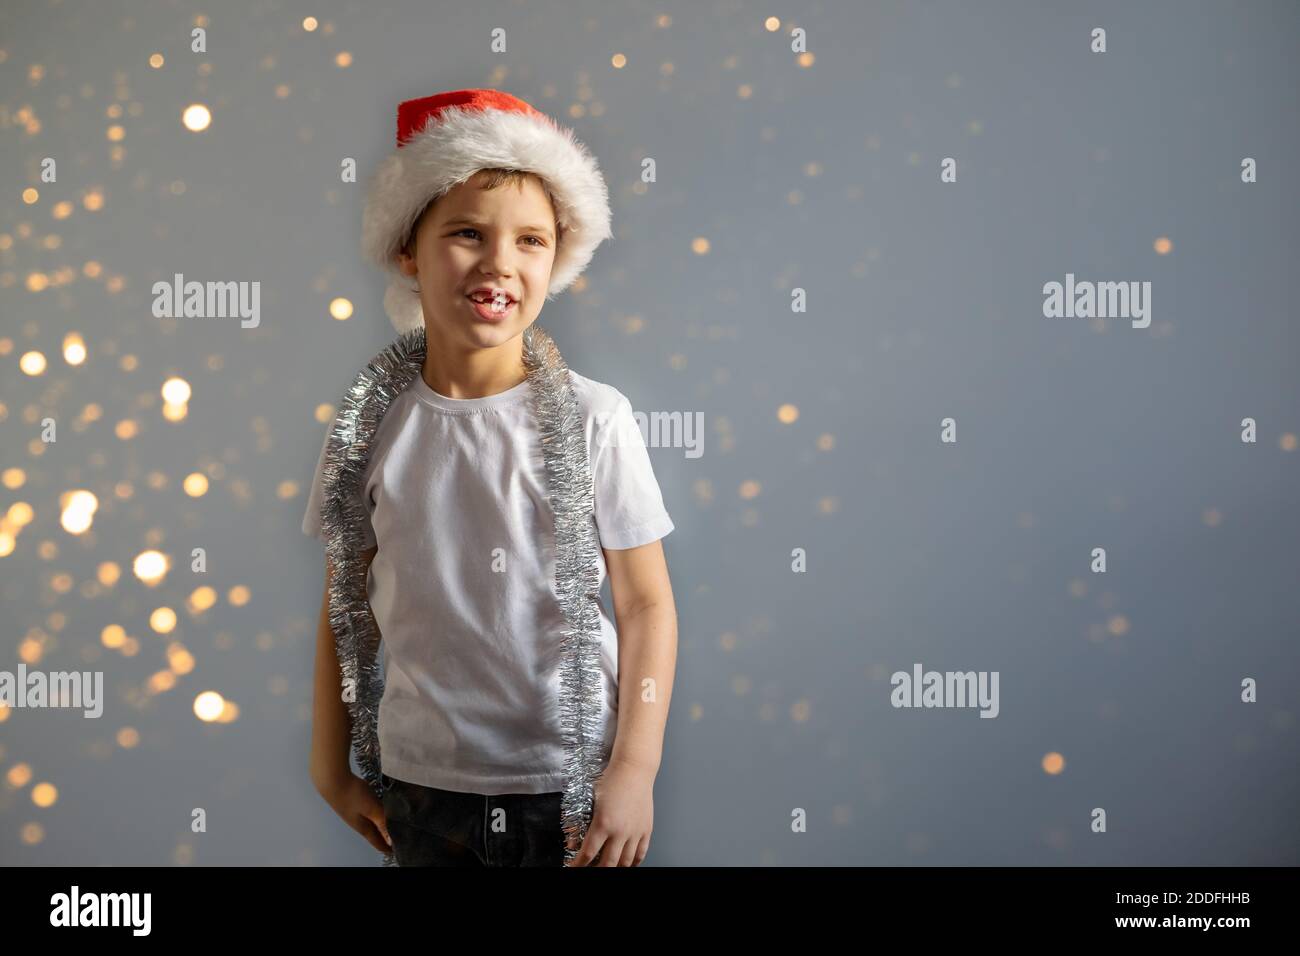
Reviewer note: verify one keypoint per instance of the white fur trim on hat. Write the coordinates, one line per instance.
(452, 148)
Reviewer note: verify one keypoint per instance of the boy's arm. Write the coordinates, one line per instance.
(646, 618)
(331, 725)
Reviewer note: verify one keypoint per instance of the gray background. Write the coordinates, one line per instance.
(924, 300)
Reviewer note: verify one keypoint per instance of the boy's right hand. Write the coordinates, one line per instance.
(354, 801)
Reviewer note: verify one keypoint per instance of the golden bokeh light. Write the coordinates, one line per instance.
(195, 484)
(1163, 246)
(45, 794)
(20, 513)
(78, 510)
(201, 599)
(163, 620)
(32, 363)
(787, 413)
(74, 349)
(1053, 763)
(176, 391)
(341, 309)
(151, 566)
(196, 117)
(179, 659)
(209, 705)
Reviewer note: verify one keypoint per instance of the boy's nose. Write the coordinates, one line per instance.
(497, 259)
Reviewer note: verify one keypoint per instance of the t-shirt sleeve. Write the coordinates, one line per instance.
(311, 524)
(629, 506)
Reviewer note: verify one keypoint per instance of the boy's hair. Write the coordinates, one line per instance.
(492, 179)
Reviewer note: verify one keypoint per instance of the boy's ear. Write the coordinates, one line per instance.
(405, 260)
(406, 255)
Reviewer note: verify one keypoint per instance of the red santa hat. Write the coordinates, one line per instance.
(443, 140)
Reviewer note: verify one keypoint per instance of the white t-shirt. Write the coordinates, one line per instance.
(456, 488)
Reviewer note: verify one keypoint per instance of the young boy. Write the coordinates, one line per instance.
(468, 560)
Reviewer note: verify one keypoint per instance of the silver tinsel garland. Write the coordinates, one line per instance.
(571, 495)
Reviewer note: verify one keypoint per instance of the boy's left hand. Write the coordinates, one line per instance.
(622, 818)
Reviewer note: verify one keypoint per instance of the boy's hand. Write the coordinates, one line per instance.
(622, 818)
(354, 801)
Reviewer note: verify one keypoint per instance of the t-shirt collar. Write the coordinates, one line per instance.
(442, 402)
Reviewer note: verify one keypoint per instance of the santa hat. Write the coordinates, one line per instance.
(443, 140)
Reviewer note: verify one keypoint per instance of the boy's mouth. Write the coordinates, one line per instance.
(488, 296)
(492, 307)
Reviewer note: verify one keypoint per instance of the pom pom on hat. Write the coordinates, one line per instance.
(442, 141)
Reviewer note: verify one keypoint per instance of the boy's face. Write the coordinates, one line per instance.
(472, 238)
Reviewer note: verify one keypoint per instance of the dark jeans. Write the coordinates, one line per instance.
(432, 827)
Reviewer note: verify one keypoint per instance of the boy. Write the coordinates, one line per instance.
(486, 483)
